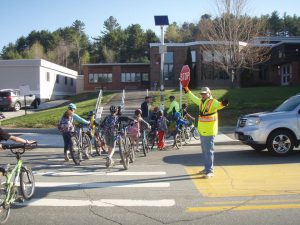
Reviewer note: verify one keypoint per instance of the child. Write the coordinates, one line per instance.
(66, 127)
(162, 129)
(134, 130)
(109, 125)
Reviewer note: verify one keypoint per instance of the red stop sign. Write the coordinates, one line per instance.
(185, 75)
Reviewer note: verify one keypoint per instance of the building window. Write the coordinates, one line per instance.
(48, 76)
(100, 78)
(145, 77)
(57, 79)
(66, 80)
(72, 81)
(168, 66)
(130, 77)
(263, 74)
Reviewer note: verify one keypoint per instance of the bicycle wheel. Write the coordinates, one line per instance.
(130, 149)
(98, 143)
(27, 183)
(86, 145)
(195, 133)
(4, 208)
(75, 151)
(151, 139)
(123, 153)
(178, 141)
(144, 146)
(187, 136)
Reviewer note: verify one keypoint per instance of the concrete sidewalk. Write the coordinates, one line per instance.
(50, 138)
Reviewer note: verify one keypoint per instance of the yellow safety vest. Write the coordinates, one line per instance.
(208, 115)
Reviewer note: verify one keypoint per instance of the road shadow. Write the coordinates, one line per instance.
(231, 158)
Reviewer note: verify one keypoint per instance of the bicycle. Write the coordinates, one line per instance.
(8, 189)
(81, 144)
(125, 148)
(152, 136)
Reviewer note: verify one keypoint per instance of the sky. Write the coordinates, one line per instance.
(20, 17)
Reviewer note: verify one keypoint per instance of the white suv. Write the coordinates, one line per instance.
(278, 131)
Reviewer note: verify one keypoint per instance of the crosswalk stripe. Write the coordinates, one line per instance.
(50, 173)
(101, 202)
(104, 184)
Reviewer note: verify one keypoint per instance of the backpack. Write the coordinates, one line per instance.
(134, 129)
(109, 125)
(65, 124)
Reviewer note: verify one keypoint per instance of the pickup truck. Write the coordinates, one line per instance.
(11, 99)
(278, 131)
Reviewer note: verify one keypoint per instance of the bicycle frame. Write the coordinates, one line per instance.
(10, 198)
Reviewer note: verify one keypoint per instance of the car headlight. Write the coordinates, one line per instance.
(253, 121)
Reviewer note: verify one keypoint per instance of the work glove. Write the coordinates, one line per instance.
(186, 89)
(225, 102)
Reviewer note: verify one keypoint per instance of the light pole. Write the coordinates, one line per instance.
(162, 21)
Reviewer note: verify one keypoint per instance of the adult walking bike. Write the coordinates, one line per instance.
(9, 192)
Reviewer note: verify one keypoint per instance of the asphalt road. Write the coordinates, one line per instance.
(162, 188)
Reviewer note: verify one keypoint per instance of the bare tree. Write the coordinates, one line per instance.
(231, 35)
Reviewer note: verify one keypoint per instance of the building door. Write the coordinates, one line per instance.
(286, 71)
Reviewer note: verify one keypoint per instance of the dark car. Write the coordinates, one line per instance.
(11, 99)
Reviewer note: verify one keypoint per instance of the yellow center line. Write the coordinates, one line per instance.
(243, 207)
(251, 201)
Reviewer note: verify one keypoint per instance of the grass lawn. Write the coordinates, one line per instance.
(241, 101)
(85, 102)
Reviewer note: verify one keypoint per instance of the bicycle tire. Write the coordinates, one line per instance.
(151, 139)
(4, 209)
(130, 149)
(187, 136)
(4, 213)
(75, 150)
(27, 183)
(178, 141)
(123, 155)
(195, 133)
(86, 145)
(98, 143)
(144, 147)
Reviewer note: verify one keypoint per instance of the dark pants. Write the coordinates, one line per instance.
(67, 141)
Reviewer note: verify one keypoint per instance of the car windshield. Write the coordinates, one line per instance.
(289, 105)
(4, 94)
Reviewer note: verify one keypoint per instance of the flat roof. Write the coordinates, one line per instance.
(116, 64)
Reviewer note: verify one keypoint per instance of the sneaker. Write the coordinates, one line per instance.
(80, 156)
(202, 172)
(109, 162)
(67, 158)
(209, 175)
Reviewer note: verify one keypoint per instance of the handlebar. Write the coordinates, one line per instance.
(21, 146)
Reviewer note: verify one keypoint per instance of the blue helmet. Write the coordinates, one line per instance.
(72, 106)
(177, 115)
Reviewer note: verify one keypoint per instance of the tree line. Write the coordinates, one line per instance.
(72, 47)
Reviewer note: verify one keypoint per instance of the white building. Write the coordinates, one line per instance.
(45, 79)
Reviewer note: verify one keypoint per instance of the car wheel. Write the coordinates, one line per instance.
(280, 142)
(258, 147)
(17, 106)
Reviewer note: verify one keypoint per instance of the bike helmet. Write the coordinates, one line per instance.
(113, 109)
(172, 97)
(72, 106)
(138, 112)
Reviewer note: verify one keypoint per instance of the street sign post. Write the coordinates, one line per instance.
(184, 80)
